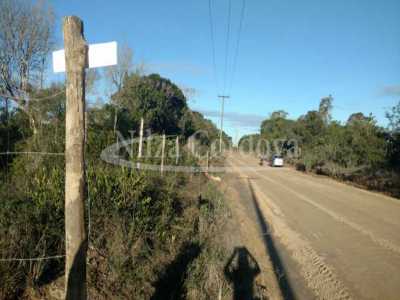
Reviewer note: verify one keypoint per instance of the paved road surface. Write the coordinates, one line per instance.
(336, 241)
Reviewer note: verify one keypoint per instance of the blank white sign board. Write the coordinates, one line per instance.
(99, 55)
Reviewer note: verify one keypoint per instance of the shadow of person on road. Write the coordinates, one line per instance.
(241, 270)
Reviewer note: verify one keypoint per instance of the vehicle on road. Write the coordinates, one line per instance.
(276, 161)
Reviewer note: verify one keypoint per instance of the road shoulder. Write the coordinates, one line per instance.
(248, 233)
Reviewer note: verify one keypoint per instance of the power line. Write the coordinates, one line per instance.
(227, 43)
(237, 44)
(213, 44)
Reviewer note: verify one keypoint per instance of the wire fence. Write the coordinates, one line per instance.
(27, 98)
(88, 209)
(18, 100)
(30, 152)
(10, 152)
(31, 259)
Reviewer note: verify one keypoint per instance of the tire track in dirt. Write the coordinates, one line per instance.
(384, 243)
(320, 277)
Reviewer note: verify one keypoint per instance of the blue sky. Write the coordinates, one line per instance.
(291, 53)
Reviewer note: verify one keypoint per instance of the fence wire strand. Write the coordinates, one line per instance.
(27, 99)
(32, 258)
(31, 153)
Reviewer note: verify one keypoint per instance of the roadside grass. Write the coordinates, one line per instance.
(150, 236)
(206, 274)
(374, 179)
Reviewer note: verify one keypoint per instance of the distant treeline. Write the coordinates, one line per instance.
(358, 150)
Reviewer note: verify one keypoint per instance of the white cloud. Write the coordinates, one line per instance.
(390, 90)
(180, 67)
(236, 119)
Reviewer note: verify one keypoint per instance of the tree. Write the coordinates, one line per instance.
(394, 118)
(310, 126)
(26, 37)
(394, 136)
(117, 74)
(366, 141)
(249, 142)
(279, 114)
(277, 126)
(276, 131)
(357, 117)
(193, 121)
(325, 108)
(159, 101)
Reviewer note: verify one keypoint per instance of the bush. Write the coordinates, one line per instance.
(31, 225)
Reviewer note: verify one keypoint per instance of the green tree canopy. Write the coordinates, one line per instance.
(159, 101)
(394, 118)
(277, 126)
(325, 108)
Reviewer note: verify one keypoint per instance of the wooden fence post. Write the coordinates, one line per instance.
(162, 154)
(75, 179)
(207, 162)
(177, 149)
(140, 139)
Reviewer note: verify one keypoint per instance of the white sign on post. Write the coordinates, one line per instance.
(99, 55)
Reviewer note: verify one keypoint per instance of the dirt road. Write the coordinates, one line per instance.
(333, 241)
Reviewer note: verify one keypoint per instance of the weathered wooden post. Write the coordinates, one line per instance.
(177, 149)
(149, 138)
(75, 179)
(207, 162)
(139, 156)
(73, 60)
(162, 154)
(132, 132)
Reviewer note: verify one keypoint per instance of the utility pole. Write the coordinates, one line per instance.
(223, 97)
(76, 53)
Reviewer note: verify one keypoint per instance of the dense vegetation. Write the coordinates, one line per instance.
(359, 150)
(143, 227)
